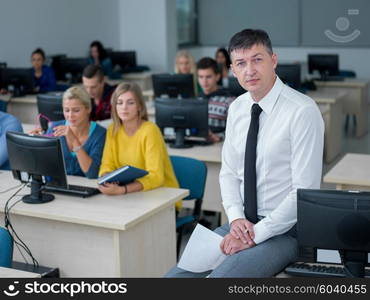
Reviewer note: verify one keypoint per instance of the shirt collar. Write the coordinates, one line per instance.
(267, 103)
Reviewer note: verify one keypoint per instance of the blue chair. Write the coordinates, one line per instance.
(6, 248)
(3, 105)
(191, 174)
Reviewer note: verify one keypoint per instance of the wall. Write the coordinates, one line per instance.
(150, 28)
(58, 26)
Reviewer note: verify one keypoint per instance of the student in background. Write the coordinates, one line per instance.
(219, 99)
(99, 56)
(7, 123)
(82, 140)
(184, 64)
(99, 91)
(133, 140)
(43, 75)
(224, 62)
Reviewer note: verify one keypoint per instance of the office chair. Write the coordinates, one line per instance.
(191, 174)
(3, 105)
(6, 248)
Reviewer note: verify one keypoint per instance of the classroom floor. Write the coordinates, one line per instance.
(350, 144)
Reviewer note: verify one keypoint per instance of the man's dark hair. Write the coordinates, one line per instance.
(247, 38)
(39, 51)
(208, 63)
(91, 71)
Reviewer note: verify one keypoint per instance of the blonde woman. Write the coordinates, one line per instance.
(185, 64)
(133, 140)
(82, 140)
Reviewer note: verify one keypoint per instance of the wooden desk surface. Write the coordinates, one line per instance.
(209, 153)
(113, 212)
(13, 273)
(352, 169)
(326, 97)
(347, 83)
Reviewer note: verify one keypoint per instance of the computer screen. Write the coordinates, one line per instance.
(126, 60)
(234, 87)
(173, 85)
(290, 74)
(39, 158)
(55, 65)
(336, 220)
(19, 81)
(182, 115)
(72, 68)
(325, 64)
(51, 106)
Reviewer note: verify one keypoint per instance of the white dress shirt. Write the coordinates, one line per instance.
(289, 156)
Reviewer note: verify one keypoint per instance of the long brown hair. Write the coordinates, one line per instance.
(122, 88)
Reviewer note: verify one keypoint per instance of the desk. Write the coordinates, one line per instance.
(331, 107)
(355, 101)
(352, 172)
(13, 273)
(101, 236)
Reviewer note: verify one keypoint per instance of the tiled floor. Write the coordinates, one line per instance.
(350, 144)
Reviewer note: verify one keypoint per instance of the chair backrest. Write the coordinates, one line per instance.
(191, 174)
(6, 248)
(347, 73)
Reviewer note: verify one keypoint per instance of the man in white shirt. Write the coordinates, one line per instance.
(284, 155)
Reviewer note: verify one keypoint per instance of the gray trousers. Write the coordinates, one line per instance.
(264, 260)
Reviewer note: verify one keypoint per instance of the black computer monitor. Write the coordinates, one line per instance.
(173, 85)
(337, 220)
(290, 74)
(234, 87)
(55, 65)
(17, 80)
(39, 158)
(126, 60)
(51, 106)
(72, 68)
(325, 64)
(182, 115)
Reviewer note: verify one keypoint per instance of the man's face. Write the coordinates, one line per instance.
(93, 86)
(207, 79)
(255, 69)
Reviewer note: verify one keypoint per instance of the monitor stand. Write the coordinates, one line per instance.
(180, 139)
(37, 196)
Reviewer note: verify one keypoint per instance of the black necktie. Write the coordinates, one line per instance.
(250, 178)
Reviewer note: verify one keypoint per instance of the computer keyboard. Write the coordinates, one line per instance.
(73, 190)
(317, 270)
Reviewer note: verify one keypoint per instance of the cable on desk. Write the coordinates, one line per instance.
(9, 226)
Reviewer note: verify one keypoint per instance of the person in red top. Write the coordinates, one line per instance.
(99, 91)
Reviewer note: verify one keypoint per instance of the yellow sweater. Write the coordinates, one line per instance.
(146, 150)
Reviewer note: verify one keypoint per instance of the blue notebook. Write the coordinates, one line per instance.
(123, 175)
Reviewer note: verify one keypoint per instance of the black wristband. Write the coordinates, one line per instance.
(125, 186)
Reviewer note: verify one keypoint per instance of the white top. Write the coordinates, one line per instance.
(289, 156)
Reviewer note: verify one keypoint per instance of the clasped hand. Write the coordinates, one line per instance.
(240, 237)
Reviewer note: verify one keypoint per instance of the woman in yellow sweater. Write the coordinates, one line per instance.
(133, 140)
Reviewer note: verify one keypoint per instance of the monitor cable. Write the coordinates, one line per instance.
(9, 226)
